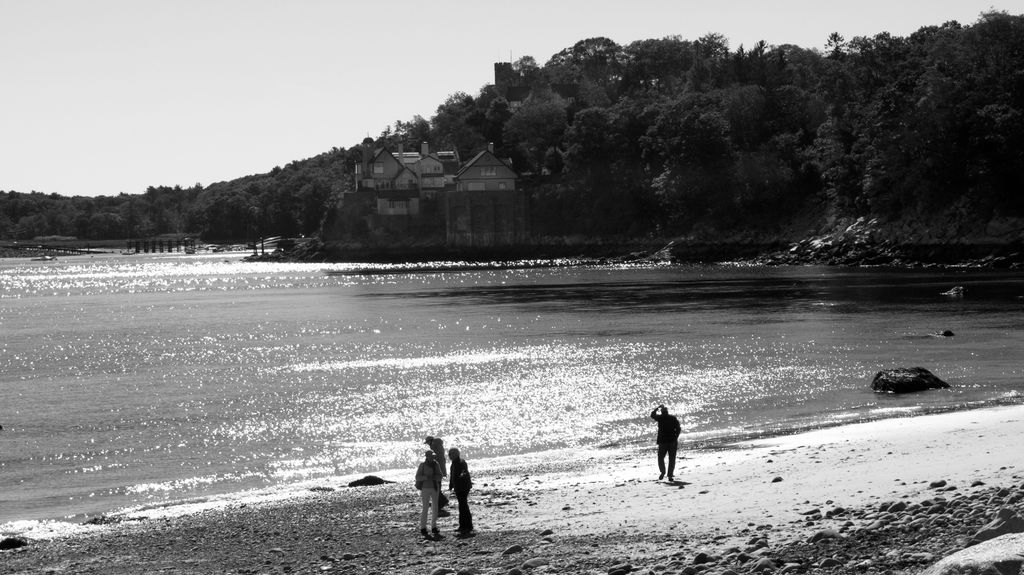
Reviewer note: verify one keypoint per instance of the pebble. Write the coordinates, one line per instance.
(825, 534)
(620, 569)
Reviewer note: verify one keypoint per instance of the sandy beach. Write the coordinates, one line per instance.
(890, 496)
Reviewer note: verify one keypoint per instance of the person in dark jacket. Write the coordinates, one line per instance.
(436, 445)
(459, 481)
(668, 440)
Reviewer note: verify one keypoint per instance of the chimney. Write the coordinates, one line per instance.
(424, 149)
(490, 147)
(401, 151)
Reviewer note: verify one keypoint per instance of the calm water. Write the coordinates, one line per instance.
(139, 380)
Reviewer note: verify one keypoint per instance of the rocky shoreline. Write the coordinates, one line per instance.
(370, 530)
(859, 243)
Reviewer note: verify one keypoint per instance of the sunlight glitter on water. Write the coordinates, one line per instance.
(408, 362)
(144, 380)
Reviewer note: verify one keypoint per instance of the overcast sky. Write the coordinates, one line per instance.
(100, 97)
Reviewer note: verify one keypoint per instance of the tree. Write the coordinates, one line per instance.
(538, 126)
(451, 125)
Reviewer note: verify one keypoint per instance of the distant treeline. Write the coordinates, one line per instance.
(288, 201)
(669, 137)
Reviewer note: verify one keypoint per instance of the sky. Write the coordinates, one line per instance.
(103, 97)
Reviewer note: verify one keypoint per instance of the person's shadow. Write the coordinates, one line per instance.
(677, 483)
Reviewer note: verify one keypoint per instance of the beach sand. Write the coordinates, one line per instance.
(821, 500)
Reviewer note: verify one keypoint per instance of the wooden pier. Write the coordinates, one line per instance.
(159, 246)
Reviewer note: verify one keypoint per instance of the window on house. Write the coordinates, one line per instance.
(501, 185)
(476, 186)
(378, 168)
(489, 171)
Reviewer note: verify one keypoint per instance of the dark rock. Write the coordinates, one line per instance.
(621, 569)
(957, 291)
(368, 480)
(1006, 521)
(906, 380)
(898, 507)
(12, 543)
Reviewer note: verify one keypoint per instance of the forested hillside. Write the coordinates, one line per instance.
(673, 137)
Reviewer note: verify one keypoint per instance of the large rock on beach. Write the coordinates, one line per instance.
(1007, 521)
(1000, 556)
(368, 481)
(906, 380)
(8, 543)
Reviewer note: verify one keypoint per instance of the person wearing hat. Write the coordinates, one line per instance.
(428, 481)
(437, 446)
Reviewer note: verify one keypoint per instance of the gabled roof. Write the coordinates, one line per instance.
(477, 158)
(380, 151)
(402, 171)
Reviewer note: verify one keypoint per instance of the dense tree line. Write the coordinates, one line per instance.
(288, 201)
(672, 136)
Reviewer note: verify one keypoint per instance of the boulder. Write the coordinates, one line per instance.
(368, 480)
(1006, 521)
(8, 543)
(906, 380)
(1000, 556)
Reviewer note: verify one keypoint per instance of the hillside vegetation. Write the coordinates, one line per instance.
(673, 138)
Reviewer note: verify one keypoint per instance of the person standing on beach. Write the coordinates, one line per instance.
(460, 482)
(428, 481)
(668, 440)
(436, 445)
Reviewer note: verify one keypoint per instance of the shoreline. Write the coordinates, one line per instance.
(55, 527)
(590, 510)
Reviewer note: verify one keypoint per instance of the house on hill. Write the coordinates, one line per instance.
(486, 209)
(475, 204)
(400, 185)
